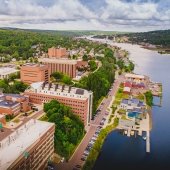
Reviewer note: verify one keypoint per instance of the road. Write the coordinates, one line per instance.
(76, 157)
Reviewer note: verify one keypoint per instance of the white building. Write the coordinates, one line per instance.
(6, 71)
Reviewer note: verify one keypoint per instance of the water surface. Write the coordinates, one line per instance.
(120, 152)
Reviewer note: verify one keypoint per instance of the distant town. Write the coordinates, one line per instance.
(58, 105)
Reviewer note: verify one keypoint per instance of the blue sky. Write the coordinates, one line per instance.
(116, 15)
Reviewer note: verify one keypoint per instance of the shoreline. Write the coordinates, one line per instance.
(149, 110)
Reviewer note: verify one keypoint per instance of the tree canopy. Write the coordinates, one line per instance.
(69, 128)
(14, 87)
(60, 77)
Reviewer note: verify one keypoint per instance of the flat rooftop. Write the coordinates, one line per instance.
(17, 142)
(7, 70)
(33, 65)
(129, 75)
(58, 90)
(8, 103)
(14, 95)
(56, 60)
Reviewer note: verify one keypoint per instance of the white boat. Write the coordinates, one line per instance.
(125, 132)
(144, 137)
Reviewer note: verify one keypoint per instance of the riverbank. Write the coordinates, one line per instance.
(158, 49)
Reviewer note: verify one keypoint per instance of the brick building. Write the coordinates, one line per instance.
(28, 147)
(13, 104)
(65, 66)
(57, 52)
(32, 72)
(79, 100)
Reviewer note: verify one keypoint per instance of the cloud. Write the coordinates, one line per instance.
(123, 15)
(25, 10)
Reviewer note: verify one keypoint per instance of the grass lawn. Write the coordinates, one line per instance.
(119, 96)
(124, 117)
(44, 118)
(16, 120)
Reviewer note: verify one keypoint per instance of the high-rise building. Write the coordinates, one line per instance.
(57, 52)
(32, 72)
(79, 100)
(29, 146)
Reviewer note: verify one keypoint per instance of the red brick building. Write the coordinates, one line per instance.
(65, 66)
(13, 104)
(57, 52)
(32, 72)
(79, 100)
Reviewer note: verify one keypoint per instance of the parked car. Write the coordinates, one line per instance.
(103, 119)
(96, 135)
(93, 138)
(78, 166)
(92, 142)
(62, 159)
(74, 168)
(101, 123)
(86, 153)
(83, 159)
(106, 113)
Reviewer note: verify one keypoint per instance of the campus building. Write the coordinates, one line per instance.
(13, 104)
(29, 146)
(57, 52)
(65, 66)
(79, 100)
(32, 72)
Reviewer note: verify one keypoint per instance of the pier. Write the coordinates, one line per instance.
(147, 141)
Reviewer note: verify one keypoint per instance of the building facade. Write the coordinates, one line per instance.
(10, 107)
(57, 52)
(28, 147)
(65, 66)
(32, 72)
(79, 100)
(13, 104)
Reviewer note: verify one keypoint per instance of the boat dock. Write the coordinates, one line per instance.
(147, 141)
(128, 133)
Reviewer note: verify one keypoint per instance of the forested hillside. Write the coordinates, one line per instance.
(153, 37)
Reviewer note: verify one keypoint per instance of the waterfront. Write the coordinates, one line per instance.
(123, 152)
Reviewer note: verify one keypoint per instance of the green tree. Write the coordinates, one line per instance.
(69, 128)
(93, 65)
(85, 57)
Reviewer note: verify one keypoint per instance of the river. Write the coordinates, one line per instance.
(121, 152)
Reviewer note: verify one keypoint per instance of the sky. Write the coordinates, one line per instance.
(107, 15)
